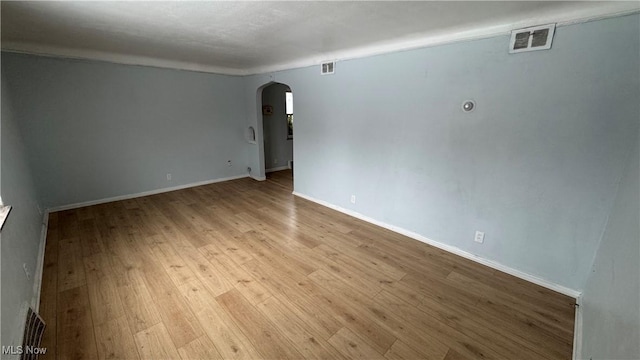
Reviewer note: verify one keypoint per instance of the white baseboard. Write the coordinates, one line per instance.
(141, 194)
(577, 331)
(259, 178)
(452, 249)
(37, 275)
(279, 168)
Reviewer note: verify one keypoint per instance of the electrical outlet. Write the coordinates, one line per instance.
(228, 162)
(275, 161)
(26, 271)
(353, 199)
(479, 238)
(168, 176)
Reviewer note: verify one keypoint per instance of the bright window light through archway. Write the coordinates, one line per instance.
(289, 111)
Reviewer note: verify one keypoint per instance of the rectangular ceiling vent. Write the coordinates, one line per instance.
(328, 68)
(531, 39)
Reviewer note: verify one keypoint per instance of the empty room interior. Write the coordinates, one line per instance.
(305, 180)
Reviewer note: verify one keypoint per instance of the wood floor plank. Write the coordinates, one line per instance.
(401, 351)
(155, 343)
(198, 219)
(347, 262)
(75, 329)
(351, 276)
(230, 245)
(70, 266)
(180, 321)
(138, 304)
(228, 339)
(310, 345)
(179, 222)
(226, 336)
(213, 277)
(427, 344)
(197, 295)
(68, 224)
(90, 238)
(294, 231)
(103, 295)
(167, 256)
(249, 287)
(454, 355)
(352, 346)
(477, 321)
(245, 270)
(315, 314)
(445, 334)
(259, 245)
(536, 314)
(232, 220)
(371, 264)
(199, 349)
(267, 339)
(469, 327)
(115, 340)
(349, 315)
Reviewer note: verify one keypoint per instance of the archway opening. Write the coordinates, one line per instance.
(277, 115)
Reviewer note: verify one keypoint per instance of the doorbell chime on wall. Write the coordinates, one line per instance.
(468, 106)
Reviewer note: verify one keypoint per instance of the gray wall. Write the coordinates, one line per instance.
(535, 165)
(98, 130)
(611, 300)
(277, 149)
(20, 242)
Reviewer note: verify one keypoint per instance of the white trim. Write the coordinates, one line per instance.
(141, 194)
(84, 54)
(37, 278)
(612, 9)
(577, 331)
(259, 178)
(277, 169)
(452, 249)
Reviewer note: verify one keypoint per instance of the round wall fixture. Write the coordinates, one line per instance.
(468, 106)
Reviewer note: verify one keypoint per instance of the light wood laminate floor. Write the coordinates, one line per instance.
(245, 270)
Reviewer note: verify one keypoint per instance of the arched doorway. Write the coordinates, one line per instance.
(276, 114)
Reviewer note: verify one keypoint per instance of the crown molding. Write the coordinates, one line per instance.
(616, 9)
(610, 10)
(85, 54)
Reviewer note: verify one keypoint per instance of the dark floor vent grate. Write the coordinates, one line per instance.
(33, 330)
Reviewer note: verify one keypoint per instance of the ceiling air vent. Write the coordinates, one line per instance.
(533, 38)
(327, 68)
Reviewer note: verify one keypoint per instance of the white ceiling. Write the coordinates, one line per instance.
(253, 37)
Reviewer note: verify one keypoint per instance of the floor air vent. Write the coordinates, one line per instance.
(531, 39)
(328, 68)
(33, 331)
